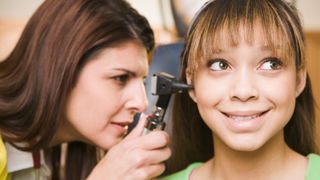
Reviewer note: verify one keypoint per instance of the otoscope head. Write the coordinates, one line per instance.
(164, 84)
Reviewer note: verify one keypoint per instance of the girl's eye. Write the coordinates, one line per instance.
(271, 64)
(218, 64)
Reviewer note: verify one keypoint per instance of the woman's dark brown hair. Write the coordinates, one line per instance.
(37, 77)
(219, 21)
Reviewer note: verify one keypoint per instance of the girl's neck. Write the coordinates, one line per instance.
(275, 160)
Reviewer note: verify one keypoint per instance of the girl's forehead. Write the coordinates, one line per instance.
(242, 35)
(219, 26)
(225, 36)
(255, 35)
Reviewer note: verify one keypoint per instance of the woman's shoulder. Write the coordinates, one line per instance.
(313, 171)
(20, 164)
(3, 161)
(183, 174)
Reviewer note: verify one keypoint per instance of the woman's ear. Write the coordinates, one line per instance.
(191, 92)
(301, 81)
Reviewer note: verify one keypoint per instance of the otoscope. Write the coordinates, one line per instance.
(164, 85)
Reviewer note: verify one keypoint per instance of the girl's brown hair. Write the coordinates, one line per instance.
(219, 22)
(36, 78)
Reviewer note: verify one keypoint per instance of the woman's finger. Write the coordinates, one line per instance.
(149, 172)
(137, 131)
(140, 158)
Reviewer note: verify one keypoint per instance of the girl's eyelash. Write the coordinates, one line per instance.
(272, 59)
(223, 64)
(211, 61)
(268, 63)
(275, 62)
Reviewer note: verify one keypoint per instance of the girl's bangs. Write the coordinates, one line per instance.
(213, 32)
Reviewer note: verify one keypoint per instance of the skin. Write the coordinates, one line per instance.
(109, 91)
(250, 99)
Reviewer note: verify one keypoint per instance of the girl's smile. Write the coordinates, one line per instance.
(251, 112)
(246, 92)
(245, 121)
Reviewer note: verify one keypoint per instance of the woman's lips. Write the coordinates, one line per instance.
(122, 127)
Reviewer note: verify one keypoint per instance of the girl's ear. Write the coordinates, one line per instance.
(189, 81)
(301, 81)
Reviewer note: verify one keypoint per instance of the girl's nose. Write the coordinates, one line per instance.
(243, 86)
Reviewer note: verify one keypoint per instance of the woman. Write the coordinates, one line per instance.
(251, 112)
(76, 76)
(3, 161)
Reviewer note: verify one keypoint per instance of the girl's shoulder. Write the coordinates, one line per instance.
(313, 170)
(183, 174)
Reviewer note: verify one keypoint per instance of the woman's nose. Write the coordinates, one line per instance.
(138, 101)
(243, 86)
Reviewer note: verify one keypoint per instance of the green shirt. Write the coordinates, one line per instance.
(313, 170)
(183, 174)
(312, 173)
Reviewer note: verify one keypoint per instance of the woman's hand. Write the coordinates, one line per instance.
(135, 157)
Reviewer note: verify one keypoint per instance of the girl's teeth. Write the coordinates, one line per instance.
(243, 118)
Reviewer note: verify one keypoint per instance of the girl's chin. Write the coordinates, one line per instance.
(246, 149)
(242, 143)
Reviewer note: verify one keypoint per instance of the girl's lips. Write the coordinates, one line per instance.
(245, 122)
(244, 116)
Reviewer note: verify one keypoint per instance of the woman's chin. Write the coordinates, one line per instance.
(106, 145)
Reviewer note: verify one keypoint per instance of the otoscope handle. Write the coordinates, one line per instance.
(155, 121)
(164, 85)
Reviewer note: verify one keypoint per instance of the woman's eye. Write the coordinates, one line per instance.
(271, 64)
(145, 81)
(122, 79)
(218, 64)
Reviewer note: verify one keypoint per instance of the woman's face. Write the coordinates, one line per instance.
(109, 91)
(246, 94)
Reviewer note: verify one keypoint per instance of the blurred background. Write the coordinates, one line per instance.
(169, 19)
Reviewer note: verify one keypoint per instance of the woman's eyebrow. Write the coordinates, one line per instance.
(125, 70)
(131, 73)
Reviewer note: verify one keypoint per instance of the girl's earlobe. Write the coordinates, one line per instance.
(301, 81)
(192, 91)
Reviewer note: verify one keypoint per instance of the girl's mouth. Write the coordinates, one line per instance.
(245, 121)
(250, 116)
